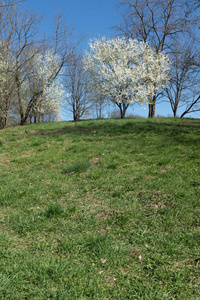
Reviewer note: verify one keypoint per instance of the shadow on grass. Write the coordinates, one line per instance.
(182, 131)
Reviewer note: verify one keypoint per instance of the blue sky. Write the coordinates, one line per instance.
(94, 18)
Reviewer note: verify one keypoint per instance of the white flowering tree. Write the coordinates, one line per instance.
(28, 49)
(44, 89)
(31, 67)
(125, 71)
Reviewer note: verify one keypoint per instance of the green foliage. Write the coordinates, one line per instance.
(110, 215)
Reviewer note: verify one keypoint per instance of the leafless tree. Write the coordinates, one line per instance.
(159, 22)
(8, 87)
(7, 84)
(76, 86)
(9, 3)
(185, 77)
(99, 105)
(24, 27)
(192, 107)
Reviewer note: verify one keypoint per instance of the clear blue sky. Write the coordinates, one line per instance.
(94, 18)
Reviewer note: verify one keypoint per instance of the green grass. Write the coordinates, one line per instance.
(104, 209)
(77, 167)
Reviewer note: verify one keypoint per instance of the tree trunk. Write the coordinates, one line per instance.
(175, 107)
(24, 119)
(5, 120)
(152, 110)
(175, 112)
(123, 107)
(121, 112)
(99, 111)
(21, 112)
(152, 105)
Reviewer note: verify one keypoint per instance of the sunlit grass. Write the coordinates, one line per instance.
(105, 209)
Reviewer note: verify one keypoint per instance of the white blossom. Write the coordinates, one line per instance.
(43, 79)
(125, 70)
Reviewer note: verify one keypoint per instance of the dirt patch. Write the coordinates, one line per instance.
(19, 244)
(157, 206)
(109, 213)
(46, 181)
(10, 128)
(157, 193)
(165, 168)
(5, 161)
(190, 122)
(25, 155)
(94, 160)
(149, 176)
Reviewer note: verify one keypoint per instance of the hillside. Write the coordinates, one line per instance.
(103, 209)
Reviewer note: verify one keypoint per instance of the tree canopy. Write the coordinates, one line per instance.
(125, 71)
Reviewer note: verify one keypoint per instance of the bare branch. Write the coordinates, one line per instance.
(160, 23)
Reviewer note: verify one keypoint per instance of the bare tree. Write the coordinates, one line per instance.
(158, 22)
(75, 84)
(185, 77)
(7, 79)
(7, 85)
(9, 3)
(24, 26)
(192, 107)
(99, 105)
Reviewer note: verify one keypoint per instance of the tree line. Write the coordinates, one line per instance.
(153, 57)
(32, 65)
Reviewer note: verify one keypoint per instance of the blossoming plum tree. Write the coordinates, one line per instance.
(125, 71)
(45, 91)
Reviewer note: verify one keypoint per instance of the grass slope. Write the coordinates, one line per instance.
(105, 209)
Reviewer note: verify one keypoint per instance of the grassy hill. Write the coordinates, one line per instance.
(105, 209)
